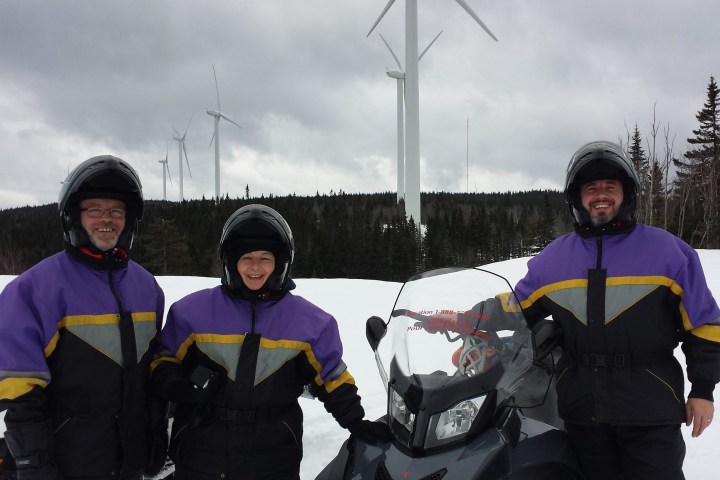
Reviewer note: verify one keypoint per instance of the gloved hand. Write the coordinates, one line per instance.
(183, 390)
(371, 432)
(546, 335)
(157, 437)
(48, 472)
(7, 464)
(32, 448)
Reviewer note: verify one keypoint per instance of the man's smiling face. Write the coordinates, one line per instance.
(602, 199)
(104, 231)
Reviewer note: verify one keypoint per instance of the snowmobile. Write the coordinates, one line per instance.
(470, 392)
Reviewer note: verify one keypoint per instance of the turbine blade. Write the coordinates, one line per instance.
(229, 119)
(392, 53)
(176, 132)
(187, 162)
(428, 47)
(188, 125)
(470, 11)
(217, 90)
(387, 7)
(168, 171)
(212, 139)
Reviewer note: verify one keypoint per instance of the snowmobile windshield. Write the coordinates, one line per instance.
(456, 349)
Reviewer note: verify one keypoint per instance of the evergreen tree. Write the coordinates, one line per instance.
(641, 164)
(437, 243)
(657, 211)
(479, 235)
(543, 231)
(11, 255)
(698, 178)
(165, 249)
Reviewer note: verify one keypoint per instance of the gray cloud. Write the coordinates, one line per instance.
(317, 111)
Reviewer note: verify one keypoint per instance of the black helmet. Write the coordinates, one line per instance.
(103, 176)
(256, 227)
(596, 161)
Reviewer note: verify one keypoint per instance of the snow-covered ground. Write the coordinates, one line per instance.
(353, 301)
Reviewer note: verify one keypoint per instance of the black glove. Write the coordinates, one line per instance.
(32, 448)
(546, 335)
(7, 464)
(157, 437)
(183, 390)
(370, 432)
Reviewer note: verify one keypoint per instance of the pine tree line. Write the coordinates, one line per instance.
(336, 236)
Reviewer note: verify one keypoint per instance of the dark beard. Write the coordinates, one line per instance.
(598, 221)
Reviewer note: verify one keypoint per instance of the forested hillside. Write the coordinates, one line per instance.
(337, 235)
(366, 235)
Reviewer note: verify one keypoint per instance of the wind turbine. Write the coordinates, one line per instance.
(165, 169)
(399, 75)
(217, 114)
(181, 149)
(412, 102)
(62, 182)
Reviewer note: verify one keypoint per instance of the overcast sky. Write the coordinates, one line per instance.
(317, 110)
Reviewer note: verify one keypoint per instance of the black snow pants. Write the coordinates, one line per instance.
(628, 452)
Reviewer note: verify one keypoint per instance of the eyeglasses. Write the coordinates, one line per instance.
(98, 212)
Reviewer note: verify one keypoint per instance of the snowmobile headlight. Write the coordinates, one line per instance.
(448, 425)
(400, 412)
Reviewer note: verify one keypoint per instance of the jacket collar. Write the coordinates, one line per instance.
(95, 258)
(244, 293)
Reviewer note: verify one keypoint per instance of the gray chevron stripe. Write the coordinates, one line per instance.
(225, 354)
(617, 299)
(106, 338)
(269, 359)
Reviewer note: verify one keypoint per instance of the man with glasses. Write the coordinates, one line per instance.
(103, 219)
(77, 332)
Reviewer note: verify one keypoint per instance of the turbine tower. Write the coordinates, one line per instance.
(217, 114)
(399, 75)
(412, 102)
(181, 149)
(165, 169)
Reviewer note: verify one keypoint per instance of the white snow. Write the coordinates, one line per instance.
(353, 301)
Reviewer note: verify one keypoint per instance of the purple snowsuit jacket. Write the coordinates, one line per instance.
(61, 353)
(625, 302)
(253, 427)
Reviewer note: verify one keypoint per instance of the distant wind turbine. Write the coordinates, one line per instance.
(218, 114)
(412, 102)
(181, 149)
(399, 75)
(62, 182)
(165, 169)
(467, 156)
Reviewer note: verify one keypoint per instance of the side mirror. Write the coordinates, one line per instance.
(375, 330)
(546, 336)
